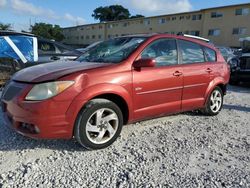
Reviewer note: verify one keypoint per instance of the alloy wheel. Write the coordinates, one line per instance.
(215, 101)
(102, 126)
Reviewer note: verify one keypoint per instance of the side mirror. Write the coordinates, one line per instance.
(144, 63)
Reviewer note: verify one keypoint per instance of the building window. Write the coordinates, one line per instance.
(82, 37)
(214, 32)
(93, 27)
(100, 26)
(93, 36)
(239, 31)
(195, 33)
(147, 22)
(242, 11)
(87, 37)
(99, 36)
(188, 17)
(216, 15)
(173, 18)
(162, 20)
(182, 17)
(197, 17)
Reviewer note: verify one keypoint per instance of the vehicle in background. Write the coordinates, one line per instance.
(240, 72)
(88, 47)
(49, 51)
(20, 50)
(119, 81)
(226, 52)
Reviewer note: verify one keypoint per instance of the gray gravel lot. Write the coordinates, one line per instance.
(185, 150)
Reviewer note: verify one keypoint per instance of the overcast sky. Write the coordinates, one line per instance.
(20, 13)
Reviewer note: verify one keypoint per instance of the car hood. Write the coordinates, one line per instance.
(52, 71)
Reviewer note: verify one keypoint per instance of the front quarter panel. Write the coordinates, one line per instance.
(93, 92)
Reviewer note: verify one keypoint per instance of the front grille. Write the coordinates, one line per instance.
(245, 63)
(10, 91)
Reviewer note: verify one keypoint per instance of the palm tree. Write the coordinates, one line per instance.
(5, 27)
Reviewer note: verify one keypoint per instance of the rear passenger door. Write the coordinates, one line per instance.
(196, 74)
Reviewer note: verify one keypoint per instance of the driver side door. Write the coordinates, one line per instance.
(158, 90)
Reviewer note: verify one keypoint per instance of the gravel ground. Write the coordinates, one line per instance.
(185, 150)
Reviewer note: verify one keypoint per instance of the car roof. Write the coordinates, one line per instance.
(8, 33)
(190, 38)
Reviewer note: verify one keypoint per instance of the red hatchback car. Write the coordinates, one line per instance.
(117, 82)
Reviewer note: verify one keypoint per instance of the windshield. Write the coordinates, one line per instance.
(112, 51)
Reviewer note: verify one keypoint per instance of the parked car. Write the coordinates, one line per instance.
(24, 49)
(226, 52)
(120, 81)
(88, 47)
(240, 71)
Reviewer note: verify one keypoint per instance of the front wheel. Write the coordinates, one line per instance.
(99, 124)
(214, 102)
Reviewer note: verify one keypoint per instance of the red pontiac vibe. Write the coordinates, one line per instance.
(117, 82)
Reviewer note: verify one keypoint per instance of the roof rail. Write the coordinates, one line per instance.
(194, 37)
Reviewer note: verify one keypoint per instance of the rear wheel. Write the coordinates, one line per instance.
(214, 102)
(99, 124)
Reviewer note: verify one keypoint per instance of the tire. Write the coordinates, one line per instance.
(98, 124)
(210, 108)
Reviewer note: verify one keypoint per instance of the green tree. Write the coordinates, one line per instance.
(48, 31)
(137, 16)
(5, 27)
(111, 13)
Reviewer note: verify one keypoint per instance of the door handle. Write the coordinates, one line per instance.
(209, 70)
(55, 58)
(177, 73)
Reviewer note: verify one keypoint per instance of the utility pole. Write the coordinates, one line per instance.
(30, 24)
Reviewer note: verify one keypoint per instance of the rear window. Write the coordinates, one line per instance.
(210, 54)
(191, 52)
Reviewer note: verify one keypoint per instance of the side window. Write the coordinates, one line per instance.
(164, 51)
(191, 52)
(210, 54)
(46, 47)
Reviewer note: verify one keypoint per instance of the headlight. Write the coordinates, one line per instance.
(47, 90)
